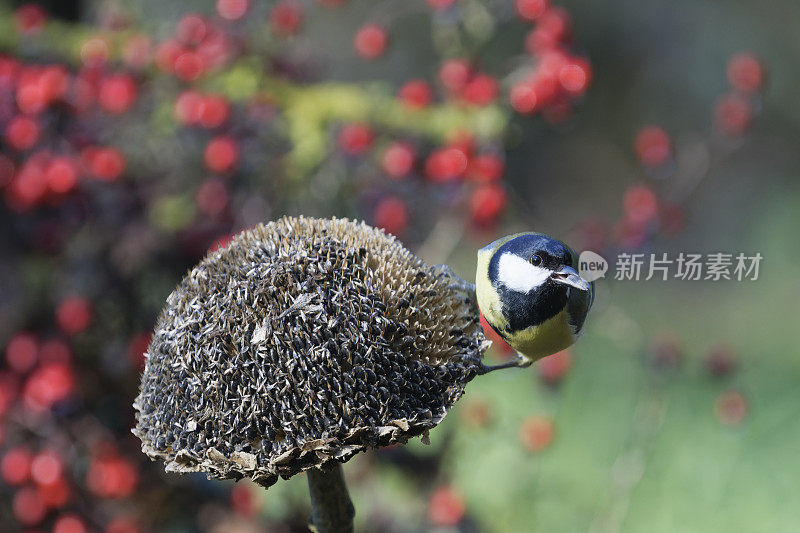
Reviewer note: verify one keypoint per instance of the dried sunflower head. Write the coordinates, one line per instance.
(303, 341)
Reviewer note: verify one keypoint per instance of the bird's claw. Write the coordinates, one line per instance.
(518, 362)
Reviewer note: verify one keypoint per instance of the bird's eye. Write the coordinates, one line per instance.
(536, 260)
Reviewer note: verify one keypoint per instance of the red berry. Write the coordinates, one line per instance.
(211, 198)
(553, 368)
(221, 154)
(28, 507)
(477, 413)
(220, 243)
(486, 168)
(15, 467)
(62, 175)
(22, 132)
(30, 97)
(9, 70)
(122, 525)
(187, 107)
(74, 314)
(54, 81)
(454, 74)
(630, 233)
(370, 41)
(137, 51)
(48, 385)
(216, 50)
(214, 111)
(446, 164)
(480, 90)
(552, 29)
(30, 18)
(189, 66)
(666, 351)
(191, 29)
(575, 76)
(107, 163)
(22, 352)
(232, 9)
(730, 408)
(746, 73)
(653, 146)
(486, 204)
(551, 61)
(46, 468)
(117, 93)
(733, 115)
(416, 94)
(721, 360)
(112, 477)
(557, 21)
(547, 88)
(391, 214)
(29, 188)
(243, 500)
(356, 138)
(54, 495)
(286, 17)
(536, 433)
(398, 159)
(446, 507)
(640, 204)
(530, 10)
(137, 348)
(69, 523)
(523, 98)
(95, 51)
(166, 54)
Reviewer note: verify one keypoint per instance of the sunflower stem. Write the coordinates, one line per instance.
(332, 510)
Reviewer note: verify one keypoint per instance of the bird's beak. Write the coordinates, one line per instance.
(569, 276)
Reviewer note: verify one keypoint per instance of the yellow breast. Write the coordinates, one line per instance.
(549, 337)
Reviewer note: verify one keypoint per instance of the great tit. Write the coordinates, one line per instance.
(531, 294)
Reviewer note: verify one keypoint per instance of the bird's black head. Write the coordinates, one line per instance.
(533, 274)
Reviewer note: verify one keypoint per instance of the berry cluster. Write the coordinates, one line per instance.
(49, 149)
(41, 465)
(51, 109)
(551, 80)
(646, 211)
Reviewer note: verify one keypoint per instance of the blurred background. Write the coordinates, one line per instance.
(136, 135)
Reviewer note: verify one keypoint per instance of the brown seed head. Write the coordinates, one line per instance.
(303, 341)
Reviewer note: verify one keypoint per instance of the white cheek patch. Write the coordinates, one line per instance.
(519, 275)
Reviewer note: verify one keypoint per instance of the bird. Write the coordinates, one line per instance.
(529, 291)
